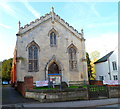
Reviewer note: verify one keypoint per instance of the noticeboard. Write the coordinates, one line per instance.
(41, 83)
(55, 79)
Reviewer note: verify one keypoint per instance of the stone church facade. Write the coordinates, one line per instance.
(50, 49)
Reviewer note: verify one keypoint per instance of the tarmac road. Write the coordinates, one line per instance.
(11, 96)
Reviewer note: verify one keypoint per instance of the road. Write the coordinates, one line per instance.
(113, 105)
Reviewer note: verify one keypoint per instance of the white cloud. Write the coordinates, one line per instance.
(94, 25)
(31, 9)
(5, 26)
(103, 43)
(8, 9)
(7, 51)
(94, 10)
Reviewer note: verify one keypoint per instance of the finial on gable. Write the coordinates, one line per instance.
(19, 25)
(52, 14)
(52, 9)
(82, 31)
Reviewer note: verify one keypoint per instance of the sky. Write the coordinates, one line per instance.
(99, 20)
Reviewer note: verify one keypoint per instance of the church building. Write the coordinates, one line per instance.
(50, 49)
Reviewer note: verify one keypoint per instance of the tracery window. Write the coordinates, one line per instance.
(72, 58)
(33, 58)
(53, 39)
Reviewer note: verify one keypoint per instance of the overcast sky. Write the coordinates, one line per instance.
(99, 21)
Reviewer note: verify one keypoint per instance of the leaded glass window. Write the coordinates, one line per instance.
(72, 59)
(33, 58)
(52, 39)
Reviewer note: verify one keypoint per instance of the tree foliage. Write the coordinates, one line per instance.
(6, 69)
(94, 57)
(90, 75)
(90, 63)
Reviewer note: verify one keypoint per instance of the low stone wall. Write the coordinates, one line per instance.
(114, 91)
(67, 94)
(58, 95)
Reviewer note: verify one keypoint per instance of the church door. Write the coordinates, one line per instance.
(54, 74)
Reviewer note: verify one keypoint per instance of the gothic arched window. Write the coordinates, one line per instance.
(72, 58)
(33, 58)
(52, 39)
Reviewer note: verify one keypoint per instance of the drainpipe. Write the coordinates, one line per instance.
(109, 68)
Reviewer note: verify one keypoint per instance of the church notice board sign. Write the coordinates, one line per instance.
(55, 79)
(41, 83)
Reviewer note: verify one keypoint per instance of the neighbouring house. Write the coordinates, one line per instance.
(50, 49)
(107, 67)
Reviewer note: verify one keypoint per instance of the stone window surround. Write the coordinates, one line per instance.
(33, 43)
(56, 34)
(74, 59)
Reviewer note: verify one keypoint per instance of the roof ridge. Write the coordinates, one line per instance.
(36, 20)
(47, 14)
(67, 23)
(104, 58)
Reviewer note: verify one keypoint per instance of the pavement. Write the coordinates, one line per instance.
(70, 104)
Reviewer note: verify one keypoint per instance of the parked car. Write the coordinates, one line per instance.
(5, 82)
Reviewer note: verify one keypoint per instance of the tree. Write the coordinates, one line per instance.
(94, 57)
(6, 69)
(90, 70)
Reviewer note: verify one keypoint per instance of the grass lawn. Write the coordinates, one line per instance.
(47, 88)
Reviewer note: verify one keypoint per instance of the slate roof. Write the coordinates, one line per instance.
(104, 58)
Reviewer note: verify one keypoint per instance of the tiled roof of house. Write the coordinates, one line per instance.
(104, 58)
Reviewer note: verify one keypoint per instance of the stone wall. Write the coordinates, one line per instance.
(57, 95)
(114, 91)
(67, 94)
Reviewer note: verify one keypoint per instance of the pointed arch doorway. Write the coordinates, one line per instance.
(54, 73)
